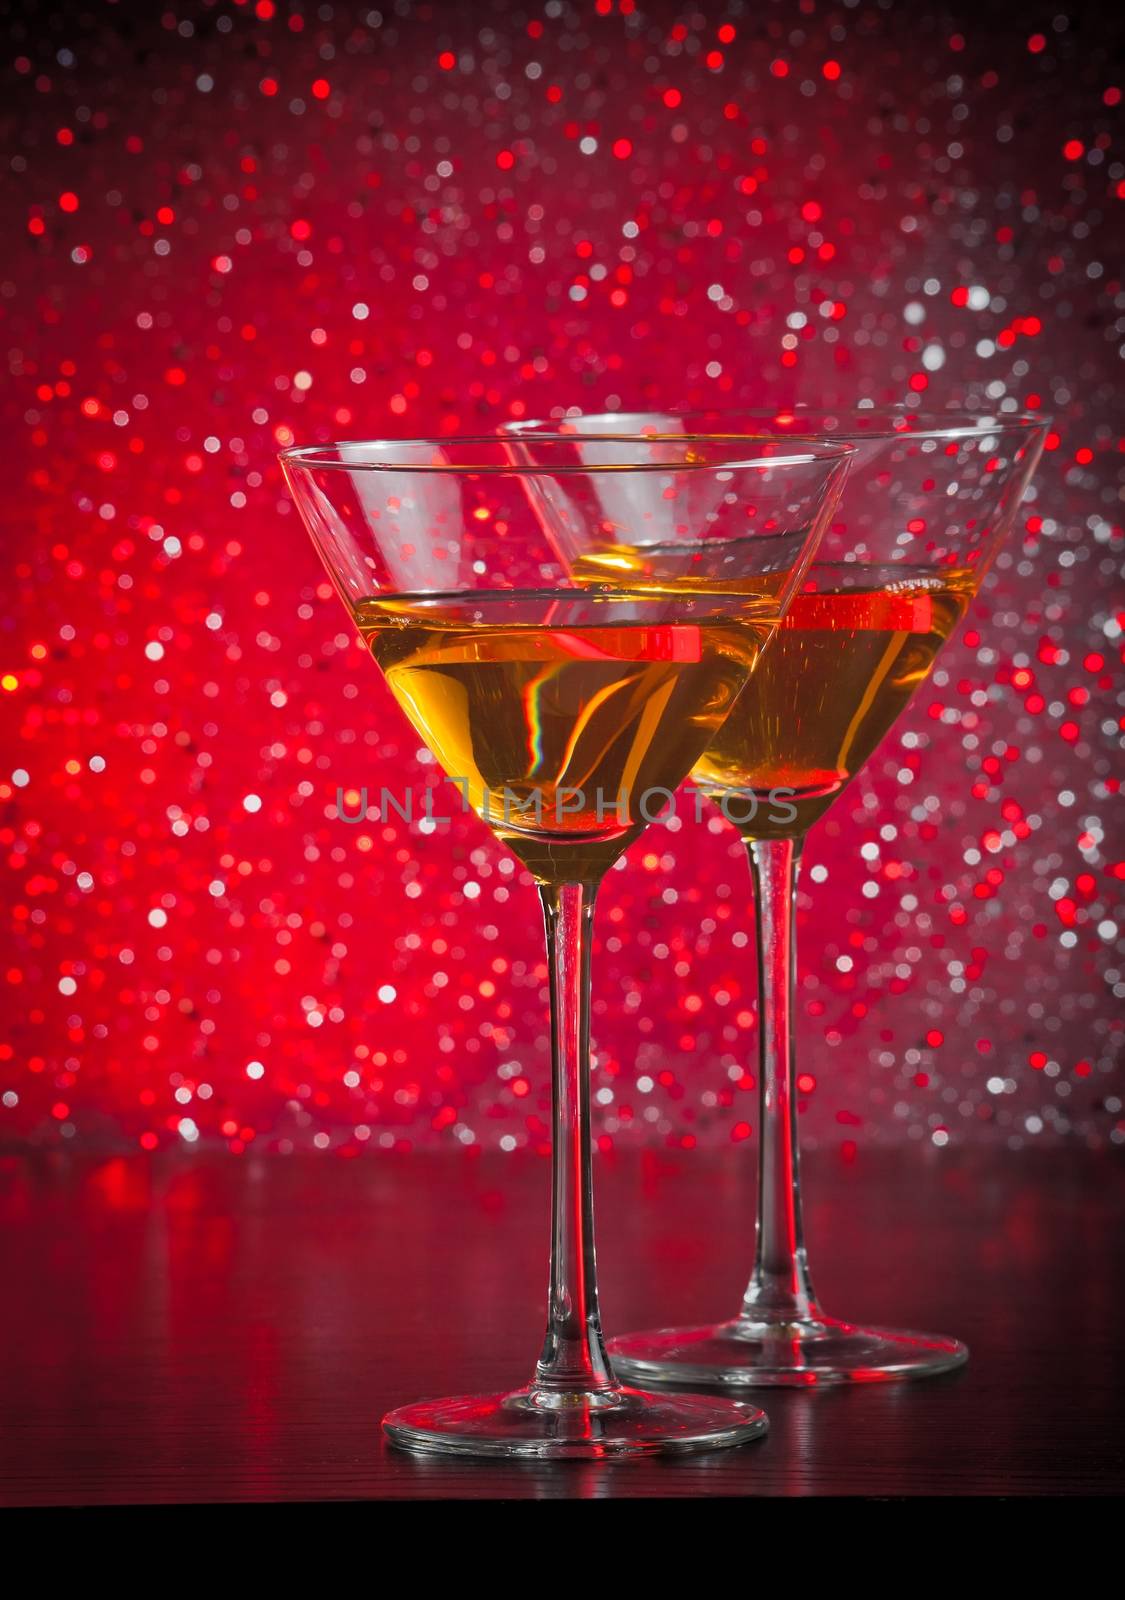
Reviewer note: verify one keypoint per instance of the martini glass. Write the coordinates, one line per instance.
(927, 502)
(567, 715)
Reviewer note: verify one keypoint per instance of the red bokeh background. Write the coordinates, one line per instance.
(231, 226)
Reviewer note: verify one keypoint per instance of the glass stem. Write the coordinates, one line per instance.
(780, 1289)
(574, 1363)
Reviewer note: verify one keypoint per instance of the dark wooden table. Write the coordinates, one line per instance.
(205, 1328)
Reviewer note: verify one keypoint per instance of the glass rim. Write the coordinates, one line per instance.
(324, 457)
(956, 423)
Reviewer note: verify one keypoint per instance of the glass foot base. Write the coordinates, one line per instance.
(750, 1355)
(588, 1429)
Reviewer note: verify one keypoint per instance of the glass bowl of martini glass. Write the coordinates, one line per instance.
(928, 500)
(567, 713)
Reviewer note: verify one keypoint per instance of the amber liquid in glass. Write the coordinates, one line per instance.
(560, 714)
(849, 653)
(721, 566)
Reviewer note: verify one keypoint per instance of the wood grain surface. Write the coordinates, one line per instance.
(211, 1329)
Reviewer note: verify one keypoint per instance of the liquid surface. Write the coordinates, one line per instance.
(837, 674)
(563, 718)
(757, 567)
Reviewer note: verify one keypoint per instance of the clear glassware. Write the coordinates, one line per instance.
(927, 502)
(566, 714)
